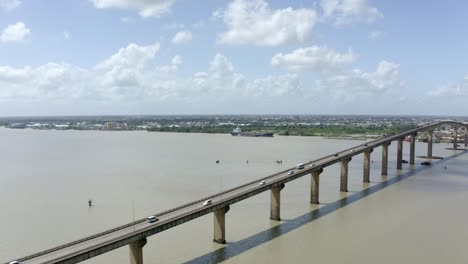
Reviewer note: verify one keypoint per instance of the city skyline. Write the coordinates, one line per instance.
(107, 57)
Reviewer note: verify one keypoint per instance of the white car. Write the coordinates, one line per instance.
(207, 202)
(262, 183)
(151, 219)
(290, 172)
(313, 164)
(300, 166)
(15, 262)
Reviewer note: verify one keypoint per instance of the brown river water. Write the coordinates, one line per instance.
(417, 215)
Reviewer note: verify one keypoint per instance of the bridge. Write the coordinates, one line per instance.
(134, 234)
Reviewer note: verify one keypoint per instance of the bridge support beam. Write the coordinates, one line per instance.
(429, 143)
(399, 154)
(366, 173)
(314, 186)
(136, 251)
(219, 221)
(275, 205)
(344, 175)
(455, 138)
(412, 149)
(385, 159)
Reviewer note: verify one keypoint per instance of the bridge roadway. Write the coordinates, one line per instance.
(92, 246)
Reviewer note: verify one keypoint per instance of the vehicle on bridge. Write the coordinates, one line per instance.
(300, 166)
(151, 219)
(207, 202)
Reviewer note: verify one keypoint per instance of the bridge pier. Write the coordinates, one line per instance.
(399, 154)
(136, 251)
(275, 207)
(385, 158)
(466, 137)
(412, 148)
(429, 143)
(455, 138)
(366, 174)
(219, 221)
(314, 186)
(344, 175)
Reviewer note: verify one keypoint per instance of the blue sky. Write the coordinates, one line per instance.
(86, 57)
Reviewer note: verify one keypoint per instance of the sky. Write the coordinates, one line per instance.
(137, 57)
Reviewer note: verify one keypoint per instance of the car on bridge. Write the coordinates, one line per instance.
(300, 166)
(290, 172)
(262, 183)
(207, 202)
(15, 262)
(151, 219)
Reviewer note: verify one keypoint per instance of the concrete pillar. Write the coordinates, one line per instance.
(399, 154)
(412, 148)
(275, 207)
(344, 175)
(220, 225)
(314, 186)
(366, 174)
(455, 138)
(429, 143)
(466, 136)
(385, 158)
(136, 251)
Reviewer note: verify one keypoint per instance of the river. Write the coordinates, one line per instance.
(47, 177)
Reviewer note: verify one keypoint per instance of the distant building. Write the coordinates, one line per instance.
(115, 126)
(110, 125)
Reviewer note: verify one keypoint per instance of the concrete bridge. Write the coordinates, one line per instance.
(135, 234)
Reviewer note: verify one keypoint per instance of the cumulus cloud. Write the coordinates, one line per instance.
(287, 84)
(349, 85)
(454, 90)
(127, 76)
(145, 8)
(9, 5)
(182, 37)
(344, 12)
(15, 33)
(314, 58)
(254, 22)
(173, 67)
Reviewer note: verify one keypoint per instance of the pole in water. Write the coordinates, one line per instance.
(90, 202)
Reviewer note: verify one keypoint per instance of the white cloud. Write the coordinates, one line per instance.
(145, 8)
(454, 90)
(133, 56)
(9, 4)
(173, 67)
(15, 33)
(287, 84)
(254, 22)
(315, 58)
(182, 37)
(222, 80)
(374, 35)
(127, 76)
(345, 12)
(349, 85)
(66, 35)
